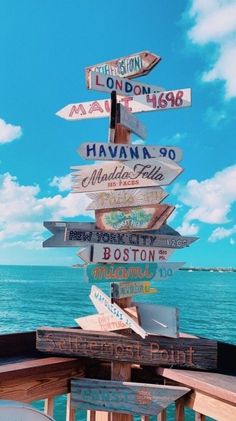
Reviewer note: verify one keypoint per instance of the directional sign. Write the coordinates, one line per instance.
(124, 254)
(122, 86)
(130, 122)
(105, 272)
(137, 218)
(114, 152)
(125, 175)
(123, 397)
(103, 305)
(128, 289)
(100, 322)
(137, 64)
(124, 198)
(179, 98)
(158, 320)
(79, 234)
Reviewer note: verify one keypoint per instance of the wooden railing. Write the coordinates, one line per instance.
(27, 375)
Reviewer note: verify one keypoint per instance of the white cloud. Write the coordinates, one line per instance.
(216, 117)
(215, 22)
(188, 229)
(232, 241)
(174, 139)
(210, 200)
(221, 233)
(22, 211)
(8, 132)
(62, 183)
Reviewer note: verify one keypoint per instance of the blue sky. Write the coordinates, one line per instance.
(45, 47)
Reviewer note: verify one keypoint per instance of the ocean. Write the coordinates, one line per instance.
(33, 296)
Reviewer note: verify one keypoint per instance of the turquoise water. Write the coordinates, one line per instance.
(54, 296)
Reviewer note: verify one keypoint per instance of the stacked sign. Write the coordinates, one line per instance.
(130, 243)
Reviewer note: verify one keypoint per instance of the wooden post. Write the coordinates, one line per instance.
(179, 410)
(49, 406)
(70, 412)
(199, 417)
(162, 416)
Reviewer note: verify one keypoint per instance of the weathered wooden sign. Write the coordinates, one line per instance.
(123, 254)
(100, 322)
(79, 234)
(125, 175)
(124, 198)
(133, 65)
(158, 320)
(123, 152)
(128, 289)
(138, 272)
(124, 397)
(130, 122)
(133, 218)
(103, 304)
(122, 86)
(135, 104)
(193, 353)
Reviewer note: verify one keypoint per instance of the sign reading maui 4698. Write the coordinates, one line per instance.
(116, 175)
(135, 104)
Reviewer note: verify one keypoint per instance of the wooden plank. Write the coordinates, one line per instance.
(124, 254)
(70, 412)
(125, 175)
(158, 319)
(123, 152)
(108, 83)
(49, 406)
(152, 351)
(78, 234)
(100, 322)
(133, 65)
(219, 385)
(124, 397)
(175, 99)
(179, 410)
(138, 272)
(130, 122)
(211, 407)
(129, 289)
(103, 304)
(162, 416)
(133, 218)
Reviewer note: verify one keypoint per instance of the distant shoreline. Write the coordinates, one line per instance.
(213, 269)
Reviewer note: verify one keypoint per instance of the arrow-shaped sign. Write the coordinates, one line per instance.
(125, 175)
(115, 152)
(124, 254)
(130, 122)
(179, 98)
(158, 320)
(103, 305)
(138, 272)
(122, 86)
(128, 289)
(133, 65)
(133, 218)
(80, 234)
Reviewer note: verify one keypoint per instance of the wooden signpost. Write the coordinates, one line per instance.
(137, 272)
(125, 175)
(138, 218)
(128, 289)
(129, 398)
(133, 65)
(124, 254)
(185, 352)
(114, 152)
(130, 122)
(122, 86)
(136, 104)
(103, 304)
(80, 234)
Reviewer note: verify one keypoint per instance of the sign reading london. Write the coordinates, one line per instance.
(179, 98)
(126, 175)
(133, 65)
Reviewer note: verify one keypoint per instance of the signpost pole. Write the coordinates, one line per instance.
(121, 371)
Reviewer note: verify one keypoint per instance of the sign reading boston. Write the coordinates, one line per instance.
(116, 175)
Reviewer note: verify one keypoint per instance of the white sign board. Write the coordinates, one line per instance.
(17, 411)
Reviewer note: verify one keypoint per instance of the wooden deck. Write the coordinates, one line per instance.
(28, 375)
